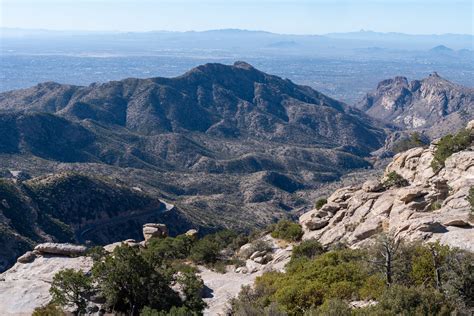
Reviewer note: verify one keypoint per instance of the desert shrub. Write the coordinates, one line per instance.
(470, 198)
(401, 300)
(449, 145)
(308, 283)
(70, 288)
(287, 230)
(427, 279)
(205, 251)
(393, 179)
(333, 307)
(50, 309)
(96, 253)
(174, 311)
(320, 203)
(435, 206)
(307, 249)
(167, 249)
(415, 140)
(373, 287)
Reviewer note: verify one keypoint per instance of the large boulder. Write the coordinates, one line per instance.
(61, 249)
(28, 257)
(154, 230)
(372, 186)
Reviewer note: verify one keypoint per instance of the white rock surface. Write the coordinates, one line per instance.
(26, 285)
(224, 286)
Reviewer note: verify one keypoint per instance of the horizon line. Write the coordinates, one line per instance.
(225, 29)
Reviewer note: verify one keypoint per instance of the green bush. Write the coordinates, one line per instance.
(287, 230)
(333, 307)
(320, 203)
(205, 251)
(174, 311)
(307, 249)
(97, 253)
(470, 198)
(308, 283)
(393, 179)
(449, 145)
(435, 206)
(160, 250)
(401, 300)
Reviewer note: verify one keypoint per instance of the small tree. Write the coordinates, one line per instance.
(393, 179)
(320, 203)
(71, 288)
(129, 282)
(192, 287)
(385, 254)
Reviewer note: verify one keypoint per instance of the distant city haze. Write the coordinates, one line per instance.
(279, 16)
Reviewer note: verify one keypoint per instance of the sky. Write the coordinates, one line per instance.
(279, 16)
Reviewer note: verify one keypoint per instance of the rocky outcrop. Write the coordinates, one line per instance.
(154, 230)
(433, 205)
(27, 283)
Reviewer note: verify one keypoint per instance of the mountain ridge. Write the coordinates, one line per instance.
(433, 104)
(229, 145)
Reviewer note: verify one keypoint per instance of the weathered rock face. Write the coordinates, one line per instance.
(154, 230)
(433, 104)
(432, 207)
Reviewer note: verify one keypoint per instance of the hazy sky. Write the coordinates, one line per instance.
(281, 16)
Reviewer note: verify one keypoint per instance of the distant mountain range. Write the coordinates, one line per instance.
(226, 39)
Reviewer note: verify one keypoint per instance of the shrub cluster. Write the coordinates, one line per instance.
(287, 230)
(320, 203)
(393, 179)
(449, 145)
(424, 280)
